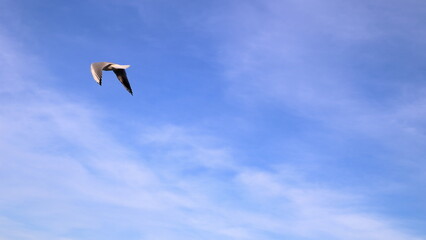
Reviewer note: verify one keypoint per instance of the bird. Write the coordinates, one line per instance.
(119, 70)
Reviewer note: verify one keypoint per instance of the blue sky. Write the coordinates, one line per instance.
(298, 120)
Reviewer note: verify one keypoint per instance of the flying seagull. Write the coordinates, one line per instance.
(97, 68)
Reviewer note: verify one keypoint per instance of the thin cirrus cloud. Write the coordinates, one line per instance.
(86, 193)
(345, 65)
(67, 175)
(316, 57)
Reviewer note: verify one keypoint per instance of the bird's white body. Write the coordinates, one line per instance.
(113, 66)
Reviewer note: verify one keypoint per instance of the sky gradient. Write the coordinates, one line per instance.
(296, 120)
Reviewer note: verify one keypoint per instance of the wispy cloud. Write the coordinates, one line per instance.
(101, 186)
(315, 211)
(328, 62)
(65, 175)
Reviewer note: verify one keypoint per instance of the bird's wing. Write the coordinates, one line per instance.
(96, 69)
(121, 75)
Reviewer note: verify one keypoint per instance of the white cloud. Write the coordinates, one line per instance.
(320, 61)
(64, 174)
(315, 211)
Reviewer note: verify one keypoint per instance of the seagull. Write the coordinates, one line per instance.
(118, 69)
